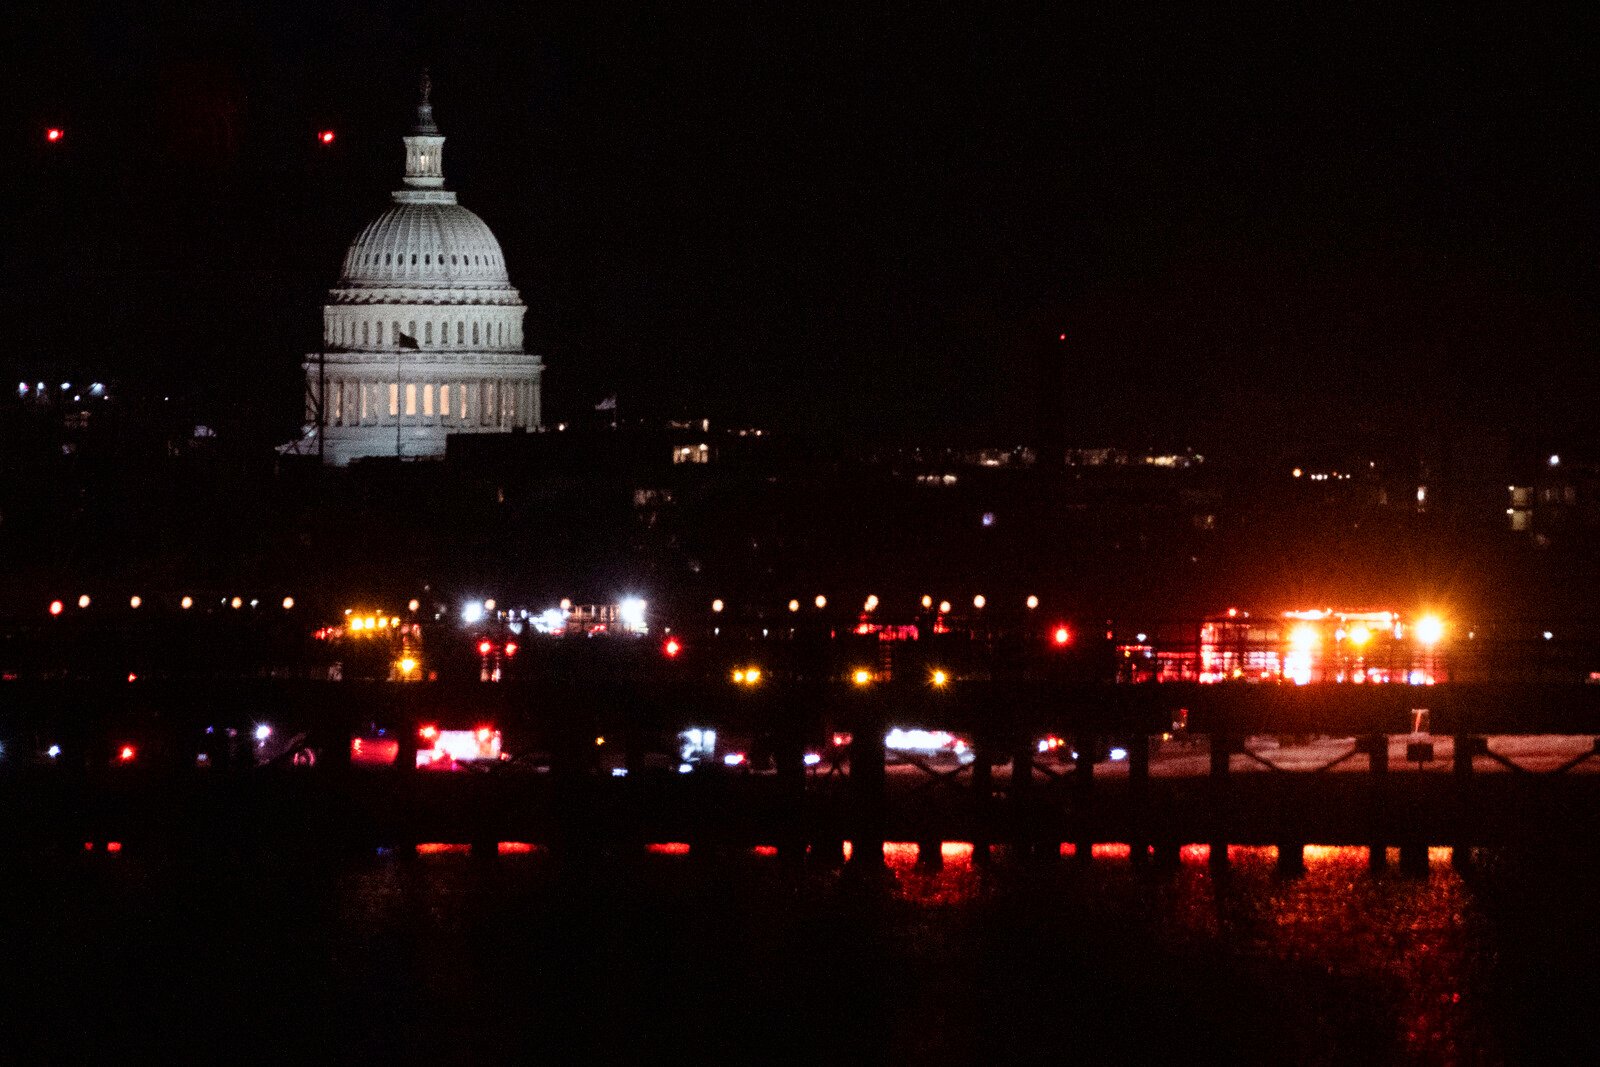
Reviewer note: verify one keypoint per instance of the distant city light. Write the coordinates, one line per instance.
(1555, 461)
(511, 649)
(1033, 602)
(871, 603)
(812, 759)
(1359, 635)
(927, 601)
(1304, 637)
(794, 605)
(1548, 635)
(485, 647)
(53, 751)
(288, 603)
(1297, 472)
(671, 648)
(488, 605)
(988, 518)
(631, 612)
(263, 731)
(186, 603)
(472, 612)
(54, 134)
(413, 604)
(407, 665)
(940, 678)
(325, 136)
(56, 607)
(1430, 630)
(862, 676)
(1062, 635)
(83, 601)
(1119, 754)
(716, 605)
(944, 607)
(134, 601)
(979, 601)
(566, 605)
(821, 601)
(236, 603)
(127, 753)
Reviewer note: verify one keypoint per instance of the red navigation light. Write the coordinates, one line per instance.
(127, 753)
(54, 134)
(1062, 636)
(511, 648)
(485, 732)
(1063, 337)
(429, 733)
(485, 647)
(326, 136)
(671, 648)
(56, 607)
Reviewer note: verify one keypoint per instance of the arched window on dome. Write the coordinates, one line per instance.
(461, 333)
(444, 402)
(366, 335)
(475, 333)
(426, 260)
(427, 333)
(394, 333)
(380, 332)
(452, 261)
(388, 259)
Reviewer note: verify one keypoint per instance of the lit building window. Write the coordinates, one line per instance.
(444, 401)
(394, 398)
(427, 399)
(411, 398)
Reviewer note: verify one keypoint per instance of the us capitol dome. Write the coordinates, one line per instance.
(422, 336)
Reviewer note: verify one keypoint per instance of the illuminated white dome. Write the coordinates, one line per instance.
(423, 333)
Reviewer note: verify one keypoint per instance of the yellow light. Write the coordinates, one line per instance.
(407, 665)
(862, 677)
(566, 605)
(288, 603)
(872, 602)
(940, 678)
(395, 622)
(1359, 635)
(372, 623)
(944, 607)
(1430, 630)
(383, 622)
(821, 601)
(83, 601)
(134, 602)
(927, 601)
(752, 676)
(1297, 472)
(979, 601)
(1033, 602)
(355, 624)
(738, 676)
(599, 741)
(413, 605)
(794, 605)
(186, 603)
(716, 605)
(1304, 638)
(236, 602)
(488, 605)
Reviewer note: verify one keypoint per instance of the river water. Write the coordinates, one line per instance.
(444, 957)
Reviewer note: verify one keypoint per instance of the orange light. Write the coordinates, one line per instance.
(134, 601)
(1062, 635)
(511, 648)
(326, 136)
(671, 648)
(485, 732)
(484, 648)
(127, 753)
(862, 677)
(429, 732)
(56, 607)
(54, 134)
(940, 678)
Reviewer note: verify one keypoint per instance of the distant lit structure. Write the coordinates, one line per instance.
(422, 337)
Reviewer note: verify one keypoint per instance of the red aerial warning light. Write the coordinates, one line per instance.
(429, 733)
(671, 648)
(127, 753)
(326, 136)
(54, 134)
(1062, 636)
(485, 647)
(1063, 337)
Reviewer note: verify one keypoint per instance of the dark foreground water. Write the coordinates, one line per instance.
(444, 957)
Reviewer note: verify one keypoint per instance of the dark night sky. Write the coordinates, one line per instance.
(1244, 222)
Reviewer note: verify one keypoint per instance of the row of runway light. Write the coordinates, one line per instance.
(135, 602)
(871, 604)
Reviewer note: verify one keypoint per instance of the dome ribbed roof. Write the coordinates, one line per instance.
(425, 244)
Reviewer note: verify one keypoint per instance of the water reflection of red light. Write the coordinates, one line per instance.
(668, 848)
